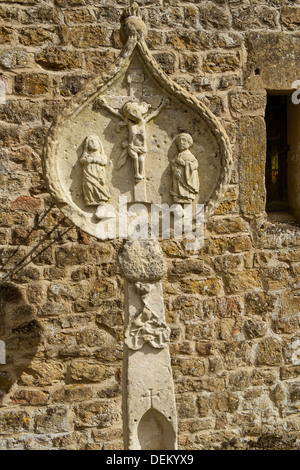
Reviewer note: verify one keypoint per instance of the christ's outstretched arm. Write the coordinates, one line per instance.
(101, 101)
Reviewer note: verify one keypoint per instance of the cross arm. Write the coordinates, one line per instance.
(155, 113)
(102, 102)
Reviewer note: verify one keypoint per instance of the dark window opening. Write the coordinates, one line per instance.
(277, 154)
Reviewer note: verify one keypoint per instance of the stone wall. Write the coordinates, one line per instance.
(233, 307)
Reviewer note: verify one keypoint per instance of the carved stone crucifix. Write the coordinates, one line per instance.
(76, 184)
(134, 115)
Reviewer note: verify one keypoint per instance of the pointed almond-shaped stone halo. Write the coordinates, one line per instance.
(67, 133)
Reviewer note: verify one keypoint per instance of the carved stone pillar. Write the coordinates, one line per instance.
(150, 420)
(131, 139)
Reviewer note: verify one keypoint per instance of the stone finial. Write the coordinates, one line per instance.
(132, 23)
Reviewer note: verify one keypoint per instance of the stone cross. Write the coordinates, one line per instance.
(152, 423)
(135, 80)
(135, 114)
(171, 155)
(151, 395)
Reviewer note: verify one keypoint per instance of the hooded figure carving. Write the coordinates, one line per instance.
(94, 183)
(185, 181)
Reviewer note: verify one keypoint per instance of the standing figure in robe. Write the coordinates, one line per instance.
(93, 160)
(185, 178)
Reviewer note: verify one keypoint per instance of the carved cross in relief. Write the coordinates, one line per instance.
(134, 115)
(80, 146)
(150, 395)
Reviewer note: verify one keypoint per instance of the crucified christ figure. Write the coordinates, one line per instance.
(134, 116)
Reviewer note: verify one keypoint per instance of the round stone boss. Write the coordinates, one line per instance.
(142, 261)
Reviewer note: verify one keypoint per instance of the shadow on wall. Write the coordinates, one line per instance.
(20, 334)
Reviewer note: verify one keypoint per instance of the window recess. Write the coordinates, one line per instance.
(277, 154)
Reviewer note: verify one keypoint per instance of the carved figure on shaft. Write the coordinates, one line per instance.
(94, 183)
(146, 327)
(185, 178)
(134, 116)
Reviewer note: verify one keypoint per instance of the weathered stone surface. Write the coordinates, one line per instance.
(6, 35)
(30, 397)
(221, 63)
(26, 203)
(84, 371)
(9, 14)
(58, 59)
(255, 329)
(252, 165)
(99, 59)
(167, 61)
(232, 307)
(272, 441)
(87, 36)
(269, 54)
(10, 292)
(20, 112)
(101, 414)
(259, 303)
(254, 17)
(186, 406)
(40, 374)
(71, 84)
(13, 421)
(81, 15)
(151, 418)
(35, 36)
(11, 59)
(269, 352)
(72, 393)
(290, 17)
(143, 184)
(31, 84)
(41, 14)
(244, 281)
(243, 103)
(224, 402)
(277, 278)
(142, 261)
(53, 419)
(212, 16)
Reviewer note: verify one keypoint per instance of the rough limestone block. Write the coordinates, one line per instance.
(252, 165)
